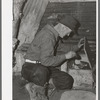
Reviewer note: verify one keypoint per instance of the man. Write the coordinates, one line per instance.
(42, 60)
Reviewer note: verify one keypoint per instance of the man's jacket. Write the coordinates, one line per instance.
(43, 46)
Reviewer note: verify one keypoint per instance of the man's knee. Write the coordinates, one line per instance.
(37, 74)
(69, 82)
(40, 76)
(64, 82)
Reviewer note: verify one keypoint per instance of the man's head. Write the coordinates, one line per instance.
(66, 26)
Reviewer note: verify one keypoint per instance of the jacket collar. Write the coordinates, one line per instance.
(53, 31)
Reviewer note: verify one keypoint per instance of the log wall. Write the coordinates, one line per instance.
(70, 0)
(85, 12)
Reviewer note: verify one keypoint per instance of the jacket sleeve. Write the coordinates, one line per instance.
(47, 57)
(64, 48)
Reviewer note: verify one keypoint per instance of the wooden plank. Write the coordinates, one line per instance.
(88, 53)
(83, 5)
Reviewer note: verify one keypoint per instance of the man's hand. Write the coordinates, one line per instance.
(70, 54)
(81, 43)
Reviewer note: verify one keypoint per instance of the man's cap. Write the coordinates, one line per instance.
(70, 22)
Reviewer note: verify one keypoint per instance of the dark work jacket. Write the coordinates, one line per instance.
(43, 46)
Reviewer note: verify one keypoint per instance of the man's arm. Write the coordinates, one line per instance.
(47, 54)
(64, 48)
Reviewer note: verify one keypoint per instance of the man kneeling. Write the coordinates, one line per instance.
(42, 60)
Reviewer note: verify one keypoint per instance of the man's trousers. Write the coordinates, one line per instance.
(40, 74)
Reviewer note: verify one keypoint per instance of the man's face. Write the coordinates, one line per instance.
(63, 30)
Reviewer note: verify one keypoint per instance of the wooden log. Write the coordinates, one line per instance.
(33, 11)
(17, 14)
(19, 61)
(78, 95)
